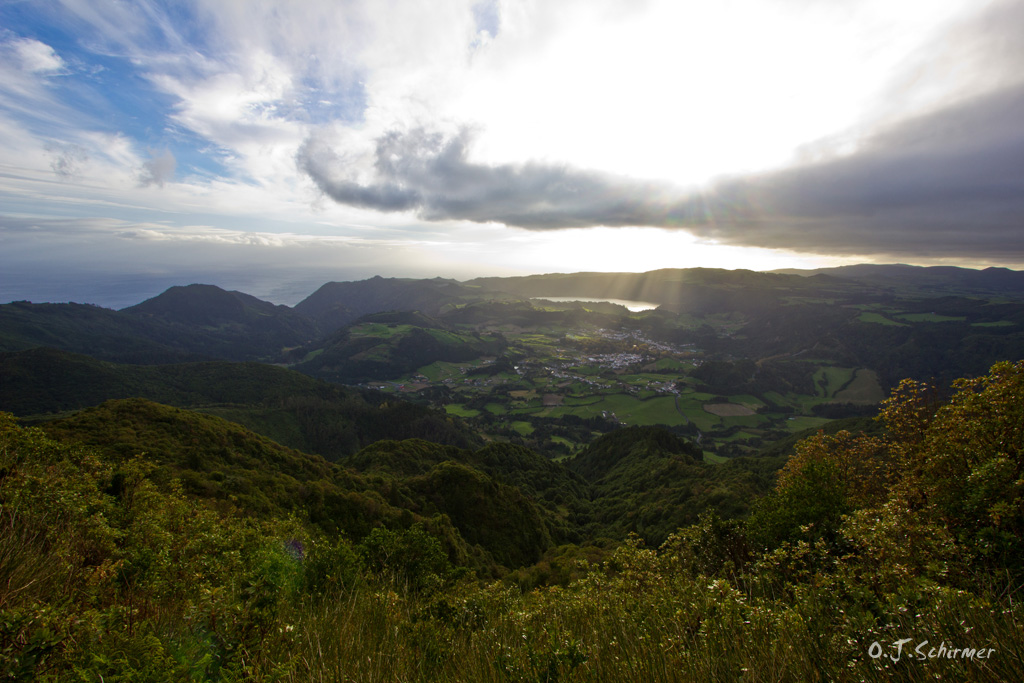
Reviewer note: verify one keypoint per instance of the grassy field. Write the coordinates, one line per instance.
(628, 409)
(747, 400)
(586, 370)
(441, 370)
(746, 420)
(627, 399)
(312, 354)
(930, 318)
(450, 338)
(581, 400)
(536, 343)
(739, 436)
(828, 380)
(798, 424)
(523, 428)
(460, 410)
(380, 330)
(693, 406)
(727, 409)
(777, 398)
(645, 377)
(865, 388)
(879, 319)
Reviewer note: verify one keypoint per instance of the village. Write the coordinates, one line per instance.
(566, 366)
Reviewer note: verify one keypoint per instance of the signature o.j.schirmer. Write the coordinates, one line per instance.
(902, 647)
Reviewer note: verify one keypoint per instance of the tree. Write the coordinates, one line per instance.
(962, 464)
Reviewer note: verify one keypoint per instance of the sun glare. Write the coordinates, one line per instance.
(639, 250)
(683, 92)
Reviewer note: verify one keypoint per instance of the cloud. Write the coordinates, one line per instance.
(429, 172)
(950, 182)
(117, 263)
(67, 160)
(539, 116)
(158, 169)
(936, 170)
(933, 168)
(26, 69)
(36, 57)
(977, 55)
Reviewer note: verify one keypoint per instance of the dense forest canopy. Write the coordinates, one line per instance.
(150, 544)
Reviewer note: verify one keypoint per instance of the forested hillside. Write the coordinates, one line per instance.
(336, 304)
(147, 543)
(501, 504)
(287, 406)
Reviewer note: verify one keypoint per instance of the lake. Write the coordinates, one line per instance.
(633, 306)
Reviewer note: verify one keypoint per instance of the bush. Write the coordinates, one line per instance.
(409, 559)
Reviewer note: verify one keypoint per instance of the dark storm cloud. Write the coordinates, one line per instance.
(320, 162)
(949, 183)
(429, 173)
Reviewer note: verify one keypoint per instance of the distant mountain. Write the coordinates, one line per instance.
(204, 322)
(897, 320)
(197, 322)
(931, 280)
(691, 290)
(336, 304)
(209, 320)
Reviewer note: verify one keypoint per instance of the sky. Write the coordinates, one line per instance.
(271, 146)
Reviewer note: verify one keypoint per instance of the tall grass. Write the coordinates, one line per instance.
(643, 625)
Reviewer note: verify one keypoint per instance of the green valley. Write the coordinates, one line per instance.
(147, 543)
(733, 360)
(432, 480)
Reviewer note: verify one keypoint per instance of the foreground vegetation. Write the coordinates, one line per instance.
(868, 546)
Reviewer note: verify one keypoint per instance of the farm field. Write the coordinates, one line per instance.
(878, 318)
(930, 318)
(568, 385)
